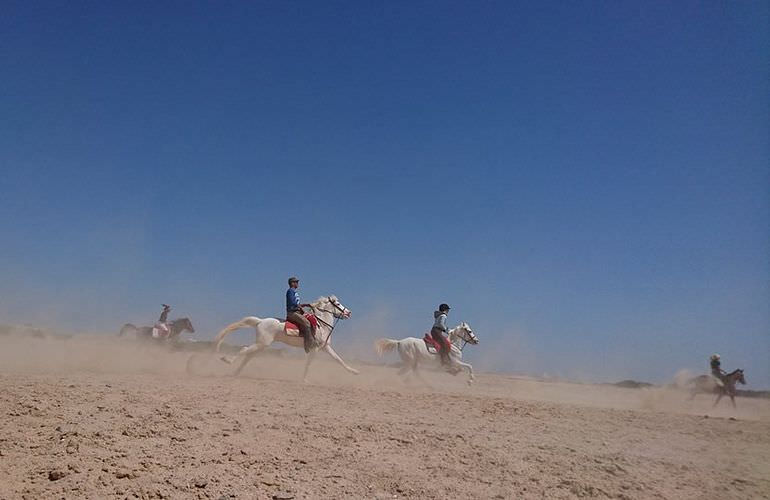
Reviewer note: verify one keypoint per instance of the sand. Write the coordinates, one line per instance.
(99, 418)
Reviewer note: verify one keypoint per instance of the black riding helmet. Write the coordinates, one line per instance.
(443, 308)
(293, 279)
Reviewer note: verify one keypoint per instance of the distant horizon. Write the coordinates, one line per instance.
(393, 360)
(588, 188)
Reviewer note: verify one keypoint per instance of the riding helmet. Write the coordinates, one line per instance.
(444, 307)
(293, 279)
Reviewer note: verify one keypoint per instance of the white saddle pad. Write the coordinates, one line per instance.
(160, 330)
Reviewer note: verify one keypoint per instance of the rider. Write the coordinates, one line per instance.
(296, 315)
(162, 324)
(437, 332)
(716, 369)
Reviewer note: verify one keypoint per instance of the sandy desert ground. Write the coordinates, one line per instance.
(98, 418)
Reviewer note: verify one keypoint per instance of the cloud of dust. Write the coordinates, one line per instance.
(506, 351)
(31, 350)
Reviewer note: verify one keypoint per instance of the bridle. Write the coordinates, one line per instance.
(339, 308)
(466, 341)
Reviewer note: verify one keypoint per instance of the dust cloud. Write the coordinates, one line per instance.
(99, 416)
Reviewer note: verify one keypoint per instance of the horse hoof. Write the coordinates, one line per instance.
(355, 372)
(227, 359)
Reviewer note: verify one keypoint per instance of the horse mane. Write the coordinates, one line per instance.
(325, 298)
(735, 371)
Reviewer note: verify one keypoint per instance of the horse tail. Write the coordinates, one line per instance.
(128, 327)
(385, 345)
(251, 321)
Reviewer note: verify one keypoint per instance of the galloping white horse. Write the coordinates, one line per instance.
(413, 351)
(710, 384)
(326, 309)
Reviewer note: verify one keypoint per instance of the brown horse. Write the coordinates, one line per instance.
(144, 333)
(711, 385)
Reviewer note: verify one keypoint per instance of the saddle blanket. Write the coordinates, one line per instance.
(432, 345)
(160, 330)
(292, 330)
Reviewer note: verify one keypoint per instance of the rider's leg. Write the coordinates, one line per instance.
(304, 327)
(438, 336)
(444, 350)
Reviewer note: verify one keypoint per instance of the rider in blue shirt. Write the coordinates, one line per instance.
(292, 298)
(296, 315)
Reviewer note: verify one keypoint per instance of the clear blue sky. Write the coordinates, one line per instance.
(586, 183)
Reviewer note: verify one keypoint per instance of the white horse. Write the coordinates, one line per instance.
(712, 385)
(413, 351)
(326, 309)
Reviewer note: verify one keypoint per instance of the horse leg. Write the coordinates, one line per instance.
(418, 373)
(309, 359)
(407, 363)
(719, 397)
(468, 367)
(231, 359)
(248, 353)
(333, 354)
(416, 370)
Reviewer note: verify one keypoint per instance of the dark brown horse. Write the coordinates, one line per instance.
(711, 385)
(176, 327)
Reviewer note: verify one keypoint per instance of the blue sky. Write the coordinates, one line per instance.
(587, 184)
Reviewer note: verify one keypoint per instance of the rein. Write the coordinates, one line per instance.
(334, 322)
(465, 341)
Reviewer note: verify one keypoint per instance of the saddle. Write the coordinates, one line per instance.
(293, 330)
(432, 345)
(161, 330)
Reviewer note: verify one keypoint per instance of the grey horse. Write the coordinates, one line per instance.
(710, 385)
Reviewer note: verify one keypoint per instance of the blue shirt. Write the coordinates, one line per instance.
(292, 300)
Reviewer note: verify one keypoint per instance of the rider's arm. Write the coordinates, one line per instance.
(442, 323)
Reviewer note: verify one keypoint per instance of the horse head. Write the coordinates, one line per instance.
(465, 333)
(740, 377)
(183, 324)
(331, 304)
